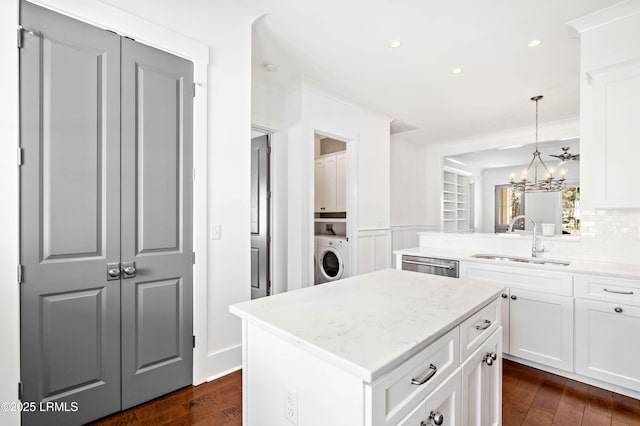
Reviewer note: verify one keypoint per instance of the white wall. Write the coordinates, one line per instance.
(408, 180)
(225, 29)
(305, 111)
(9, 302)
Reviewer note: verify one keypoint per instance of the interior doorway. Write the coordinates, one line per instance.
(260, 214)
(331, 260)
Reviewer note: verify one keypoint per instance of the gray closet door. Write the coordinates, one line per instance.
(259, 217)
(157, 109)
(70, 217)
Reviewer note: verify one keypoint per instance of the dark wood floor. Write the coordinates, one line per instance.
(529, 397)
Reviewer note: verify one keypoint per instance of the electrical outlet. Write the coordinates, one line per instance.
(291, 405)
(215, 233)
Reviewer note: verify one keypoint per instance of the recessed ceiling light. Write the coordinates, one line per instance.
(511, 146)
(395, 43)
(456, 71)
(534, 43)
(270, 67)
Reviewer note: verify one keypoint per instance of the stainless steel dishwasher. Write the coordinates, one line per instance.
(430, 265)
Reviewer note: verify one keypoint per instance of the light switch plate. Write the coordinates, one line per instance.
(215, 232)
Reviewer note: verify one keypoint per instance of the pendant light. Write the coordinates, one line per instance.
(537, 177)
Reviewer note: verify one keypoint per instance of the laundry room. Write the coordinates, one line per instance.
(331, 242)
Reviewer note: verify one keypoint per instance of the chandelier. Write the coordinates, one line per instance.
(537, 168)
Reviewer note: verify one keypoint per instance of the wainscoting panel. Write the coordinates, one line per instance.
(373, 250)
(406, 236)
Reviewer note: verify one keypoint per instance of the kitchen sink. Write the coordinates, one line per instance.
(537, 261)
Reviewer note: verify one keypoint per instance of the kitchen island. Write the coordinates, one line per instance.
(386, 348)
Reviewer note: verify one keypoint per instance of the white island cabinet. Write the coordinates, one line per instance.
(386, 348)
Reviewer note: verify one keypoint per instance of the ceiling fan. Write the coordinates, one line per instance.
(565, 156)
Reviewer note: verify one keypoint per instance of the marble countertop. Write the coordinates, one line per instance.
(577, 266)
(371, 323)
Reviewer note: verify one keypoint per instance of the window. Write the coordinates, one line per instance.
(571, 210)
(509, 204)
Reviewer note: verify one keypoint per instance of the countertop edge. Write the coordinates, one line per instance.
(368, 376)
(465, 256)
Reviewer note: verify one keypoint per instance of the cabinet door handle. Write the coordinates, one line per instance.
(514, 297)
(484, 324)
(618, 309)
(504, 295)
(424, 379)
(490, 357)
(437, 417)
(618, 292)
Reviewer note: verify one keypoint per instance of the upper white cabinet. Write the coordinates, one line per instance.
(609, 110)
(330, 185)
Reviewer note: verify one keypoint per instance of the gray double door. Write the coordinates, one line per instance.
(105, 228)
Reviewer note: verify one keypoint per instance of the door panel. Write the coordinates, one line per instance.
(157, 111)
(70, 216)
(259, 216)
(161, 335)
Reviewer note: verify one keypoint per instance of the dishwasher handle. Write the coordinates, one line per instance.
(435, 265)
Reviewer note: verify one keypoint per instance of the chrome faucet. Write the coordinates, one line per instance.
(534, 246)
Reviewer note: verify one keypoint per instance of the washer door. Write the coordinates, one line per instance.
(331, 264)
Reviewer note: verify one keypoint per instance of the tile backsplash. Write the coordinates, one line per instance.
(611, 235)
(611, 224)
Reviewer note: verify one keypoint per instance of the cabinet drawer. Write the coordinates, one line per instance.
(444, 402)
(477, 328)
(615, 290)
(528, 278)
(395, 394)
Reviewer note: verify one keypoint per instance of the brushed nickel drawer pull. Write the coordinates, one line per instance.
(424, 379)
(629, 293)
(485, 324)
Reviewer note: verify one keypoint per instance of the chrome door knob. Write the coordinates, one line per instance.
(114, 272)
(129, 269)
(514, 297)
(436, 417)
(504, 295)
(618, 309)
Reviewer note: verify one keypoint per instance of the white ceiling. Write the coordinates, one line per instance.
(342, 45)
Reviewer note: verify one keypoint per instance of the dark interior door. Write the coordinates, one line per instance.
(106, 211)
(259, 216)
(70, 217)
(157, 104)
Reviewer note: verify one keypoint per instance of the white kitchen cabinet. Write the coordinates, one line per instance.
(538, 321)
(341, 182)
(387, 362)
(330, 186)
(607, 344)
(482, 384)
(505, 309)
(442, 407)
(541, 328)
(318, 184)
(609, 110)
(607, 312)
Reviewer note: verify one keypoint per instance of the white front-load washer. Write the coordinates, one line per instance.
(332, 258)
